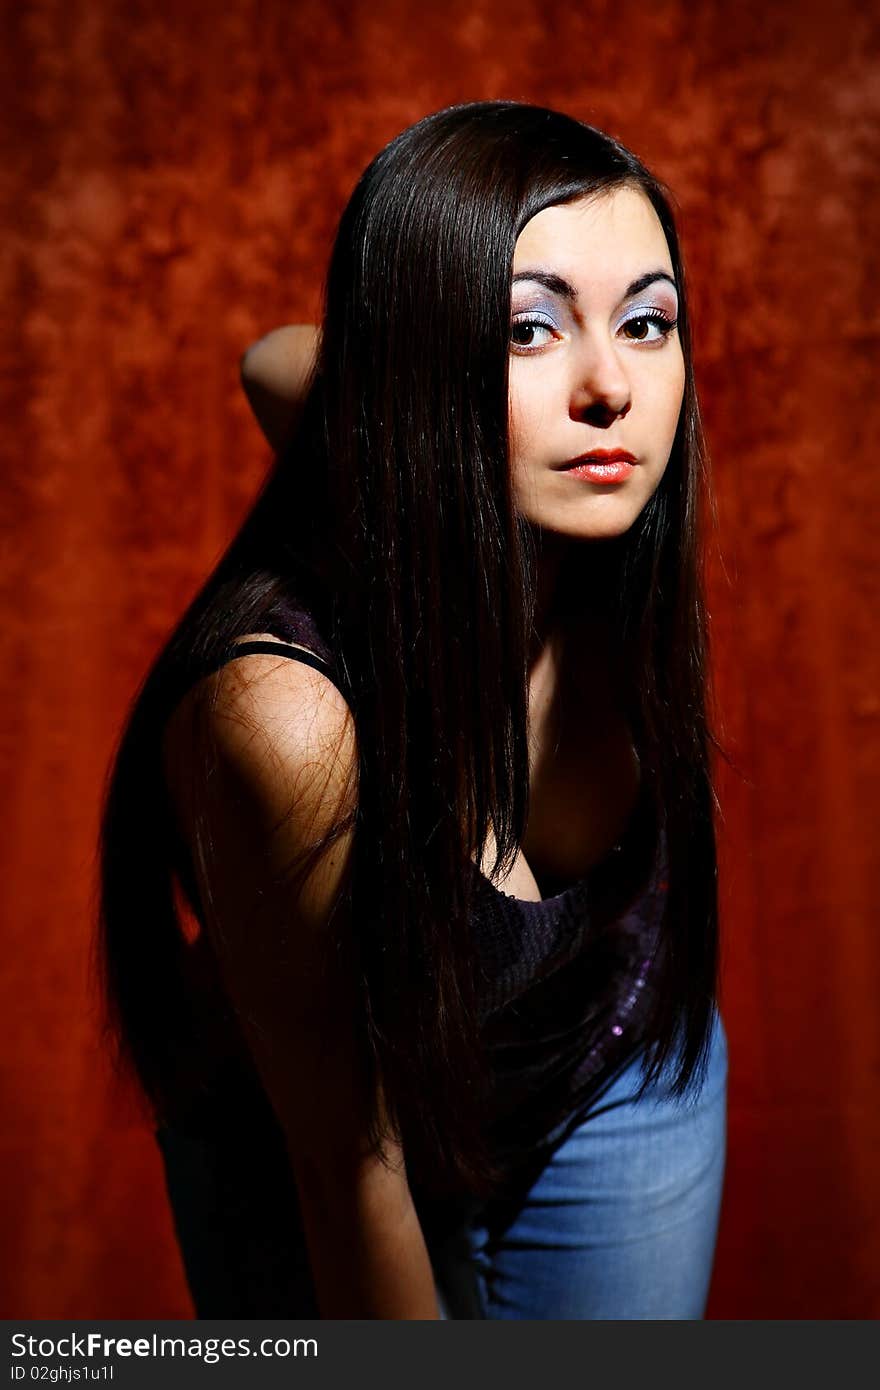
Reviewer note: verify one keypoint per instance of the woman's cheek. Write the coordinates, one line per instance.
(676, 391)
(526, 409)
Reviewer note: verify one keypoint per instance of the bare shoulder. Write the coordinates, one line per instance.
(267, 748)
(260, 702)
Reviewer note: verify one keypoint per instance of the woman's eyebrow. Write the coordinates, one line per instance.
(555, 283)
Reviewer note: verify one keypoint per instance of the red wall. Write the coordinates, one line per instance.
(175, 173)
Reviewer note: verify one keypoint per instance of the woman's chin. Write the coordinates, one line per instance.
(602, 523)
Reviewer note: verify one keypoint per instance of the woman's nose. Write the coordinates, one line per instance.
(602, 393)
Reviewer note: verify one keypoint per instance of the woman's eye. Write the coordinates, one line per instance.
(523, 333)
(648, 327)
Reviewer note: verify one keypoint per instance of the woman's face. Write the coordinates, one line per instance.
(595, 363)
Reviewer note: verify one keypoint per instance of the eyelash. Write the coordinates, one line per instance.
(663, 321)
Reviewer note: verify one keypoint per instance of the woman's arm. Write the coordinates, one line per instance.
(286, 750)
(274, 374)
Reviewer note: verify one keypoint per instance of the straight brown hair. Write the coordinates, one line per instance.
(390, 511)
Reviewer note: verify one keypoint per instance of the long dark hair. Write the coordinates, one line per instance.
(390, 510)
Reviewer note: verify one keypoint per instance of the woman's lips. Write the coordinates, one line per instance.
(602, 466)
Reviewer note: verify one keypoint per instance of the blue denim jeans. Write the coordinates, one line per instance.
(620, 1223)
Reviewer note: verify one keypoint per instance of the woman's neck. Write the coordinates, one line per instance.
(551, 552)
(571, 587)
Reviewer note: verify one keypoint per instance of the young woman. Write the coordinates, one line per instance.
(409, 924)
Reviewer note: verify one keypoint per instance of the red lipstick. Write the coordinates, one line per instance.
(602, 466)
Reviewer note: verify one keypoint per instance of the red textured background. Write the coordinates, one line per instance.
(175, 172)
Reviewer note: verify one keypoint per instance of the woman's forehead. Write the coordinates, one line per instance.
(606, 236)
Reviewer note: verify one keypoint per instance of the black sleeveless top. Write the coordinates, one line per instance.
(567, 988)
(567, 982)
